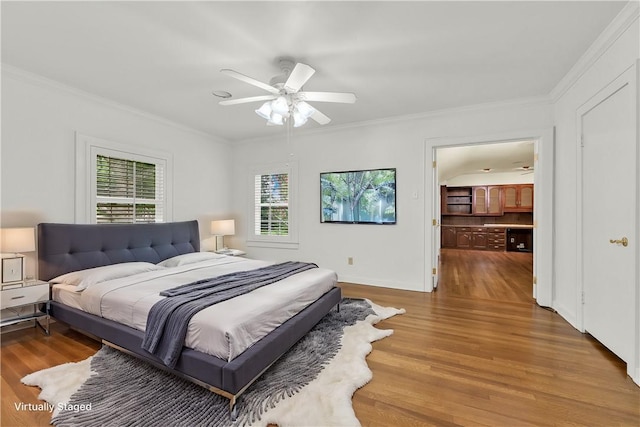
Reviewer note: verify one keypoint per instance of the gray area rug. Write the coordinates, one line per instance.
(129, 392)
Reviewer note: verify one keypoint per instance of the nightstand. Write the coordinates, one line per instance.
(28, 300)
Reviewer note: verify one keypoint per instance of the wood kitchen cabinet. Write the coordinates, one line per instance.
(448, 239)
(457, 200)
(479, 239)
(463, 237)
(487, 201)
(496, 239)
(517, 198)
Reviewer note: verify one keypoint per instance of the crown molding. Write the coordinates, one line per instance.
(39, 80)
(518, 102)
(627, 16)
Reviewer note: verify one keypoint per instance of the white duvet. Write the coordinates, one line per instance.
(223, 330)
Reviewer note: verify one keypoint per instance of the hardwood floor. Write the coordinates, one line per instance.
(499, 276)
(462, 355)
(29, 350)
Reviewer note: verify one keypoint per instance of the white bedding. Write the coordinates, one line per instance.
(223, 330)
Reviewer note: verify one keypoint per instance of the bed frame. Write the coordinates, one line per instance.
(69, 247)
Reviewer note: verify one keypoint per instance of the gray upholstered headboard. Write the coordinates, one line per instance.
(69, 247)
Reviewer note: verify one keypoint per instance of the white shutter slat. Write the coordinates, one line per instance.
(271, 192)
(128, 191)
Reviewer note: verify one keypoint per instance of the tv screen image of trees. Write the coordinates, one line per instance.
(365, 196)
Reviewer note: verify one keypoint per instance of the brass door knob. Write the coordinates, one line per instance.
(624, 241)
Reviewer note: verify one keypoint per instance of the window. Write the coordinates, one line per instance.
(128, 191)
(273, 216)
(121, 184)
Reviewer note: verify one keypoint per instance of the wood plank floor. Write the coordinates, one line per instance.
(459, 356)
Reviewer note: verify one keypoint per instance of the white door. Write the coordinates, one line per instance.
(609, 197)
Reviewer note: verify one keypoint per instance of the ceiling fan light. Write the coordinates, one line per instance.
(276, 119)
(280, 105)
(265, 111)
(298, 119)
(304, 109)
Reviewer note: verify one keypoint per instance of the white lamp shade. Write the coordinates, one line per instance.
(265, 111)
(305, 109)
(280, 106)
(276, 119)
(14, 240)
(225, 227)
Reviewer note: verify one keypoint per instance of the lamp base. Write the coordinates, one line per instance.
(220, 243)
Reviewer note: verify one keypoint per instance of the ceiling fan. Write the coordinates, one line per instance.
(285, 99)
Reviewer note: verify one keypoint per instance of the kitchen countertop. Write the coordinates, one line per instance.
(509, 225)
(491, 225)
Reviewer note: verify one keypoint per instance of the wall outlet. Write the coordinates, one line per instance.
(350, 260)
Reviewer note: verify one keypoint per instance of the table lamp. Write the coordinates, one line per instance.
(221, 228)
(13, 241)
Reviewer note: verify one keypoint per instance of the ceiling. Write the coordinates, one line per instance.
(399, 58)
(503, 157)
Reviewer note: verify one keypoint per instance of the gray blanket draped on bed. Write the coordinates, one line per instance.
(168, 319)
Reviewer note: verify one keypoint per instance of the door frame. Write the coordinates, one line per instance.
(543, 199)
(631, 76)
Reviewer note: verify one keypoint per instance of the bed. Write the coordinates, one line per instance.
(67, 248)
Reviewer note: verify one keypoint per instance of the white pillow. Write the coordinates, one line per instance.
(82, 279)
(189, 258)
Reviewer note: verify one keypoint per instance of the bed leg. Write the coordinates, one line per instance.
(233, 409)
(338, 306)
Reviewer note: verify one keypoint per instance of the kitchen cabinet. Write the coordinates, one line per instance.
(517, 198)
(479, 239)
(463, 237)
(448, 239)
(457, 200)
(496, 239)
(487, 201)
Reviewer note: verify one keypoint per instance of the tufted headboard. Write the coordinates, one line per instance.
(69, 247)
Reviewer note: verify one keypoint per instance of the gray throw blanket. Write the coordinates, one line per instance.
(169, 318)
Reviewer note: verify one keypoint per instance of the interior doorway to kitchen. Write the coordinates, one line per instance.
(486, 220)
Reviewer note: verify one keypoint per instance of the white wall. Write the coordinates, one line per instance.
(611, 63)
(390, 255)
(39, 121)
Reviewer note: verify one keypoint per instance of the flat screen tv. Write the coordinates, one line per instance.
(358, 197)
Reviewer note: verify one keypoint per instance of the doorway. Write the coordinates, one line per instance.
(486, 219)
(540, 263)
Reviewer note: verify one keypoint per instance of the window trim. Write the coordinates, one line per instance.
(281, 242)
(87, 147)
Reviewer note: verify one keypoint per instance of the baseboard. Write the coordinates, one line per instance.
(403, 286)
(566, 315)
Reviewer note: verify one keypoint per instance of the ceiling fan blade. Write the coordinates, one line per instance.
(250, 80)
(299, 76)
(343, 97)
(249, 99)
(320, 118)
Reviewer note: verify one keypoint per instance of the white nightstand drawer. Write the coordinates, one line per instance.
(24, 295)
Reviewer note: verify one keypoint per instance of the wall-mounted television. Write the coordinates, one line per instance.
(358, 197)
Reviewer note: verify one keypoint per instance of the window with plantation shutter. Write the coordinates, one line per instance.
(128, 191)
(117, 183)
(273, 215)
